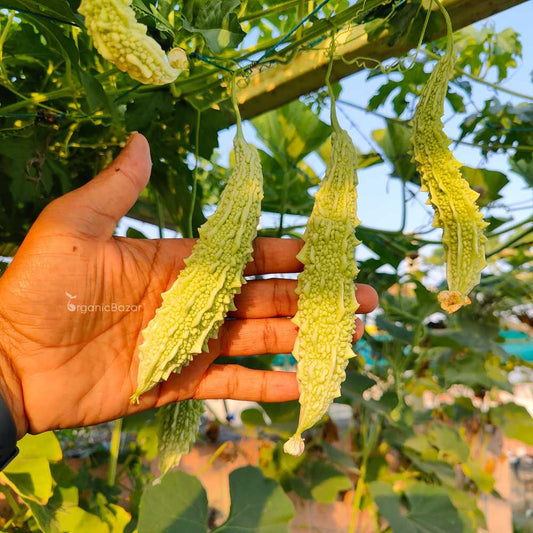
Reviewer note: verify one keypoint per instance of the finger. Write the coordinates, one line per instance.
(271, 256)
(239, 383)
(95, 209)
(261, 336)
(277, 297)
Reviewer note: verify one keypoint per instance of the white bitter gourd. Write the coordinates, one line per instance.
(123, 41)
(197, 303)
(453, 200)
(326, 288)
(178, 429)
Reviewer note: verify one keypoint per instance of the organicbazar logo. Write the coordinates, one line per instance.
(113, 307)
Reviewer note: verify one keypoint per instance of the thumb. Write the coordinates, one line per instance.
(96, 208)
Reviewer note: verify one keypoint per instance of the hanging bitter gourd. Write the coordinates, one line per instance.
(198, 301)
(178, 429)
(452, 198)
(123, 41)
(326, 288)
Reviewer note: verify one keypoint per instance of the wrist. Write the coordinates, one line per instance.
(10, 386)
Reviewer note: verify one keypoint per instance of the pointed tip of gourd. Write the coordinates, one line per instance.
(452, 301)
(294, 446)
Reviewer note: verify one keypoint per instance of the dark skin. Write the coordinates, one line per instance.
(64, 368)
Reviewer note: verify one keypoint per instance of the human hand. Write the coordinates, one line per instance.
(66, 364)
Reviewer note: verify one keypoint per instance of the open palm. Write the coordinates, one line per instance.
(75, 300)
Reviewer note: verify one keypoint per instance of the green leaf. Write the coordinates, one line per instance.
(398, 332)
(45, 445)
(355, 384)
(390, 507)
(321, 481)
(475, 471)
(429, 508)
(291, 132)
(514, 421)
(395, 141)
(152, 18)
(95, 94)
(57, 40)
(30, 478)
(283, 418)
(177, 504)
(79, 520)
(466, 505)
(258, 504)
(148, 439)
(338, 456)
(524, 169)
(477, 337)
(30, 474)
(133, 233)
(216, 21)
(57, 9)
(147, 107)
(488, 183)
(448, 441)
(286, 189)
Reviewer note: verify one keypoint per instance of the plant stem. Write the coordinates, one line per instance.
(213, 457)
(404, 207)
(511, 241)
(59, 93)
(334, 121)
(269, 11)
(358, 496)
(114, 451)
(514, 226)
(9, 498)
(3, 38)
(494, 86)
(195, 173)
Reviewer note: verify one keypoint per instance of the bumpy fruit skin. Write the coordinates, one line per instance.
(198, 301)
(326, 290)
(454, 202)
(178, 429)
(123, 41)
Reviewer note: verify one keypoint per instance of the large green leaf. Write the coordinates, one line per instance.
(45, 445)
(429, 509)
(30, 478)
(177, 504)
(56, 9)
(488, 183)
(216, 21)
(29, 475)
(258, 504)
(514, 421)
(291, 132)
(320, 481)
(395, 141)
(448, 441)
(283, 418)
(287, 189)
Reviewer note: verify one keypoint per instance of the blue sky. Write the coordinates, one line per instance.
(379, 203)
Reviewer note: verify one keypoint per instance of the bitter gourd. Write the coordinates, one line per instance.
(452, 198)
(197, 303)
(123, 41)
(326, 289)
(178, 429)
